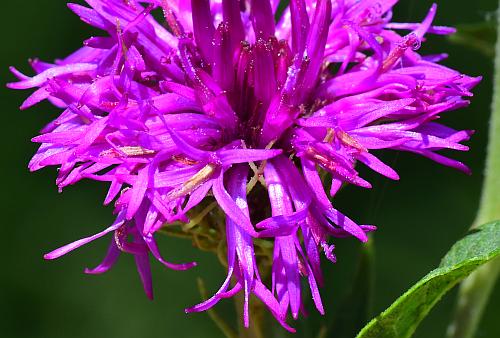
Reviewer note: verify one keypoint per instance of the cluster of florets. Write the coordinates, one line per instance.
(233, 94)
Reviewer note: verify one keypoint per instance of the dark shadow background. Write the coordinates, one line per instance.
(419, 218)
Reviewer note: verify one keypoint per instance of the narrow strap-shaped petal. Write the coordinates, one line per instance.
(144, 269)
(231, 259)
(198, 195)
(153, 247)
(263, 18)
(311, 279)
(237, 185)
(300, 25)
(345, 223)
(230, 207)
(267, 298)
(232, 156)
(440, 159)
(108, 261)
(41, 78)
(203, 27)
(39, 95)
(281, 205)
(120, 220)
(264, 77)
(231, 15)
(316, 41)
(186, 148)
(138, 192)
(426, 24)
(88, 15)
(377, 165)
(222, 57)
(281, 225)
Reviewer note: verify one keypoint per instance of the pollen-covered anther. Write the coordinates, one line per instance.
(184, 160)
(194, 182)
(330, 164)
(129, 4)
(330, 135)
(108, 105)
(328, 250)
(258, 171)
(320, 159)
(348, 140)
(120, 237)
(119, 34)
(171, 19)
(411, 40)
(302, 267)
(126, 152)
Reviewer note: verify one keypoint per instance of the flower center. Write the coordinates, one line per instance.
(260, 72)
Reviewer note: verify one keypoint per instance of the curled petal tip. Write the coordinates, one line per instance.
(363, 239)
(188, 266)
(365, 184)
(368, 228)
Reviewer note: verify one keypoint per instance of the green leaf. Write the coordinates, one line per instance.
(401, 319)
(475, 291)
(480, 36)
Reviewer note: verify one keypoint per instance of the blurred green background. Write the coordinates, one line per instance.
(419, 217)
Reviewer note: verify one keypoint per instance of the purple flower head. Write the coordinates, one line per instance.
(232, 104)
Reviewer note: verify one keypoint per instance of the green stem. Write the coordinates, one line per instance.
(226, 329)
(255, 330)
(476, 289)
